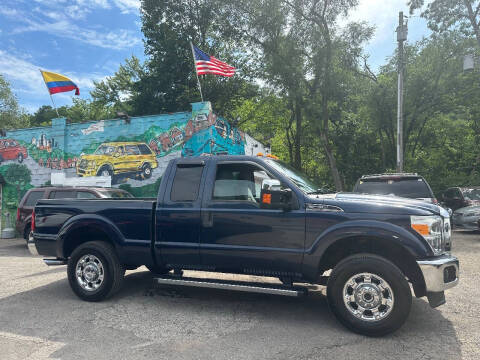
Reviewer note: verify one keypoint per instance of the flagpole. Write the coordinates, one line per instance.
(51, 98)
(196, 73)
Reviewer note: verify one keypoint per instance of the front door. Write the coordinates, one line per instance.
(178, 217)
(238, 234)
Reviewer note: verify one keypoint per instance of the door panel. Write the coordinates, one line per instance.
(239, 235)
(178, 218)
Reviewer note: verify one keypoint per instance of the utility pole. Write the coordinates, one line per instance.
(402, 32)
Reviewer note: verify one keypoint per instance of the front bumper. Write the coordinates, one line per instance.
(440, 273)
(86, 172)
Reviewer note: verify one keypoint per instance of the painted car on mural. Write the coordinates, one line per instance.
(10, 149)
(115, 158)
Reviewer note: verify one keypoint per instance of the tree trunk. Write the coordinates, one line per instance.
(337, 179)
(298, 135)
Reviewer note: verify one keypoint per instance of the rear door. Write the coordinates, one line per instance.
(133, 160)
(178, 215)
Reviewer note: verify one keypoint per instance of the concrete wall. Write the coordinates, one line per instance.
(29, 156)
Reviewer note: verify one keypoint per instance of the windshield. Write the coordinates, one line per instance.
(471, 194)
(410, 188)
(117, 194)
(105, 150)
(297, 177)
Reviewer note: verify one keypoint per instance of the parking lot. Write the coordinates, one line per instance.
(40, 318)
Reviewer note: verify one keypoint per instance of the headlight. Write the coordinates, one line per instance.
(91, 164)
(431, 228)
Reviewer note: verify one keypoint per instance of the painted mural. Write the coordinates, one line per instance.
(135, 153)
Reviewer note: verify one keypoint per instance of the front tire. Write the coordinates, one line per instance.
(20, 158)
(369, 295)
(105, 170)
(146, 171)
(94, 271)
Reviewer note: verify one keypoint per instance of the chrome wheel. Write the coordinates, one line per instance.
(89, 272)
(105, 172)
(368, 297)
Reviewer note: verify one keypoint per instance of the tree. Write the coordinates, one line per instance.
(120, 91)
(301, 55)
(443, 15)
(169, 82)
(19, 176)
(11, 116)
(44, 115)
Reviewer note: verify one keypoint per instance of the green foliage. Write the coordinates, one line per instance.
(150, 190)
(11, 116)
(304, 86)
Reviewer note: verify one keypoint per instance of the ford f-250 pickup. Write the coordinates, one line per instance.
(257, 215)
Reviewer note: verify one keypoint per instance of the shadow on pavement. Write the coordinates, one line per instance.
(193, 323)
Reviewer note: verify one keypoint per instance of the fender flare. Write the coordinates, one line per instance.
(414, 245)
(92, 221)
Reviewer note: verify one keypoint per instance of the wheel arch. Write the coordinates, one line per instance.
(81, 229)
(392, 251)
(110, 165)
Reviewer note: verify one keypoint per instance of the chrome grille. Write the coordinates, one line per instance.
(83, 164)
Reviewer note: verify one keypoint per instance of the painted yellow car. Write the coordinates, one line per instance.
(115, 158)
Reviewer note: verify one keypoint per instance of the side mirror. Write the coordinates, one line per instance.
(272, 196)
(270, 184)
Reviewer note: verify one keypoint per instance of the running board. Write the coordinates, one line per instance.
(254, 287)
(55, 262)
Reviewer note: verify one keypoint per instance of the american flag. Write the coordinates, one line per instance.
(207, 64)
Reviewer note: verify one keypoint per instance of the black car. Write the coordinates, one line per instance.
(407, 185)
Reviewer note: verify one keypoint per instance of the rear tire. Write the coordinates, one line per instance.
(94, 271)
(376, 281)
(20, 158)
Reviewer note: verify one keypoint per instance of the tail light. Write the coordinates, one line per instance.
(33, 221)
(435, 201)
(469, 202)
(18, 214)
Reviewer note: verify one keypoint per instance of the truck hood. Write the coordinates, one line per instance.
(360, 203)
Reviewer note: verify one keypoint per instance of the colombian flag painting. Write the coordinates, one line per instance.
(57, 83)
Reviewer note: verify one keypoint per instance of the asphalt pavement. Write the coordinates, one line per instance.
(40, 318)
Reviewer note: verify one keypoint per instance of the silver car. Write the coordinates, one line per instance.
(466, 218)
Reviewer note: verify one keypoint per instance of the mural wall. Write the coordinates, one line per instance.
(134, 153)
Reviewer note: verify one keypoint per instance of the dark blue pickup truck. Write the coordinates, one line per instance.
(258, 216)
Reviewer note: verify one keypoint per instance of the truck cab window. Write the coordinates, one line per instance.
(238, 182)
(186, 183)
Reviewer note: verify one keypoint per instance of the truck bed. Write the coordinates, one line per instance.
(131, 218)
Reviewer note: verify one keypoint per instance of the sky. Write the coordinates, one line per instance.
(87, 40)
